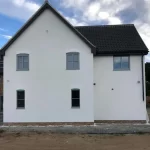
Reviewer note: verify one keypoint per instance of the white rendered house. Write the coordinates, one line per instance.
(56, 73)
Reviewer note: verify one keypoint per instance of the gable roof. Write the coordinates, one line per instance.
(114, 39)
(103, 40)
(45, 6)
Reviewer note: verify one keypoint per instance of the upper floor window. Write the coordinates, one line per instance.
(121, 63)
(22, 62)
(72, 61)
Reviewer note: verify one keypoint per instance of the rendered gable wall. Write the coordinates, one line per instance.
(48, 84)
(117, 94)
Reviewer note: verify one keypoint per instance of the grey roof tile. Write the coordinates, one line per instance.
(114, 39)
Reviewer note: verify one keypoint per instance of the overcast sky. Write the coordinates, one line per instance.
(14, 13)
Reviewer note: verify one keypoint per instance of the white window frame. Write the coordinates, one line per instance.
(75, 98)
(73, 61)
(121, 69)
(20, 99)
(17, 61)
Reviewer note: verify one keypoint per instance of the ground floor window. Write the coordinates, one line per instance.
(20, 99)
(75, 94)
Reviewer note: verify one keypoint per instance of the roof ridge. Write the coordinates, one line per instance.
(122, 25)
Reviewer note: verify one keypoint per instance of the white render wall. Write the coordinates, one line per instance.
(48, 84)
(125, 102)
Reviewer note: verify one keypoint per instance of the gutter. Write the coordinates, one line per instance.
(142, 77)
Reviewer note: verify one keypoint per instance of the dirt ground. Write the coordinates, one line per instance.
(34, 141)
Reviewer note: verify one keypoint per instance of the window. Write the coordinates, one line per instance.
(72, 62)
(20, 99)
(121, 63)
(75, 97)
(22, 62)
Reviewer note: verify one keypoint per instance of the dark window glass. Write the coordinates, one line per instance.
(20, 103)
(20, 99)
(75, 94)
(20, 94)
(75, 102)
(76, 98)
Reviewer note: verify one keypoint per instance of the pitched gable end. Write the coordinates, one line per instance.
(45, 6)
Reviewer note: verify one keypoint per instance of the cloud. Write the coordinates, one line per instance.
(21, 9)
(115, 12)
(97, 10)
(8, 37)
(144, 30)
(147, 58)
(1, 29)
(80, 4)
(74, 22)
(90, 12)
(103, 15)
(114, 20)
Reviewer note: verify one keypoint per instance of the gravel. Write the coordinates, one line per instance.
(95, 129)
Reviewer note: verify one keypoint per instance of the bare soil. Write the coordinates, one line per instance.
(38, 141)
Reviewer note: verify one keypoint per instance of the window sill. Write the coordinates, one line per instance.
(75, 107)
(21, 108)
(72, 69)
(121, 70)
(22, 70)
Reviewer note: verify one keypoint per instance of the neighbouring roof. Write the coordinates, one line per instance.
(114, 39)
(103, 40)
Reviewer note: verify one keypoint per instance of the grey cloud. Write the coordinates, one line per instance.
(14, 9)
(127, 15)
(136, 10)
